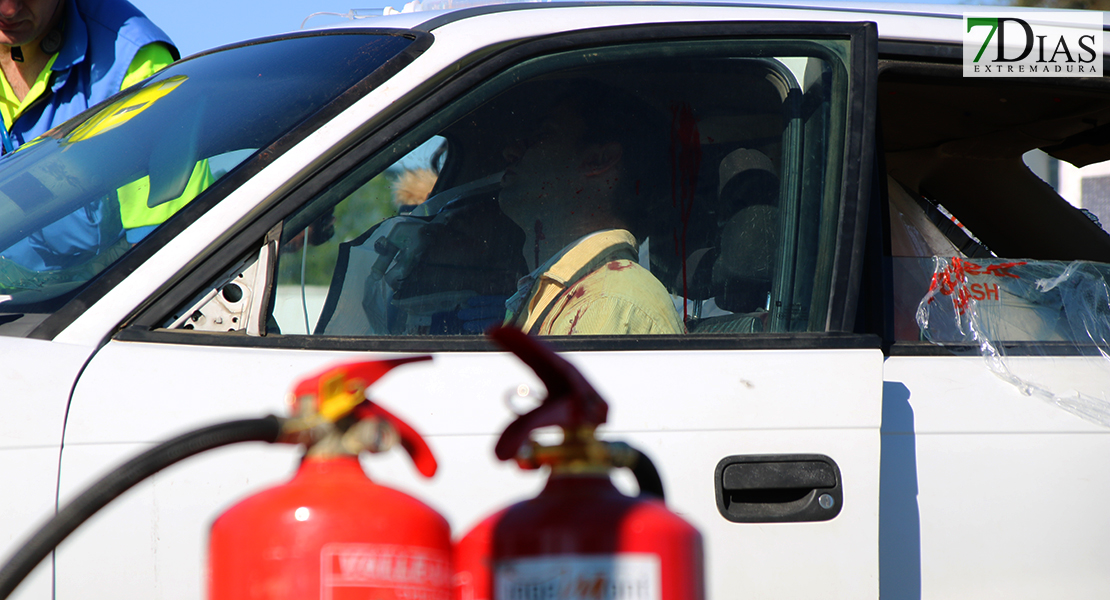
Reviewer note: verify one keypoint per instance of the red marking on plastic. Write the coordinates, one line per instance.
(1003, 270)
(952, 281)
(984, 291)
(616, 265)
(685, 165)
(578, 292)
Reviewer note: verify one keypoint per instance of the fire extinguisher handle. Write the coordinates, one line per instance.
(571, 401)
(411, 441)
(339, 389)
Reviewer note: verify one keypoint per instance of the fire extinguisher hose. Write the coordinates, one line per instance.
(647, 476)
(123, 478)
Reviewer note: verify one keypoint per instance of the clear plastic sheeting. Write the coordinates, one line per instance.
(1043, 326)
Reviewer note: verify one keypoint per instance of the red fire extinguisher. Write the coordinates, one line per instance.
(331, 532)
(580, 538)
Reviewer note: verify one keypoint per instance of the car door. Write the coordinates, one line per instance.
(65, 240)
(36, 390)
(997, 372)
(765, 378)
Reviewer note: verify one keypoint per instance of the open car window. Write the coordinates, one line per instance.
(983, 250)
(78, 199)
(677, 187)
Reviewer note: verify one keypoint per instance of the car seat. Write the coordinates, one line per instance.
(404, 274)
(734, 274)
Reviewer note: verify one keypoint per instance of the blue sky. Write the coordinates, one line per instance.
(201, 24)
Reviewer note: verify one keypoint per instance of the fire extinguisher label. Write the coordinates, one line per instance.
(386, 571)
(625, 576)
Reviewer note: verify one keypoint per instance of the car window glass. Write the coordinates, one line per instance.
(305, 269)
(670, 188)
(684, 187)
(80, 197)
(992, 239)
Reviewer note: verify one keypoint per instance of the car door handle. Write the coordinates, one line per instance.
(778, 488)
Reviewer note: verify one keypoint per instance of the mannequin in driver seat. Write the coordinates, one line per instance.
(579, 183)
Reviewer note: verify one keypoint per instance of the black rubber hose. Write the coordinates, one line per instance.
(123, 478)
(647, 476)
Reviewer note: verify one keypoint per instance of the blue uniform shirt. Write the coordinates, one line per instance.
(101, 38)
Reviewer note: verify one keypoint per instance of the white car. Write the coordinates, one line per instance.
(874, 287)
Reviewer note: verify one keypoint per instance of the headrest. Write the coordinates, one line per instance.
(740, 161)
(748, 244)
(743, 272)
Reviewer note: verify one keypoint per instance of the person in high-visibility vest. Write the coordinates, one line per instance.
(58, 58)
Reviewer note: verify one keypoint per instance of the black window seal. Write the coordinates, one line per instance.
(469, 74)
(933, 52)
(873, 312)
(940, 59)
(117, 272)
(940, 53)
(855, 185)
(925, 348)
(593, 343)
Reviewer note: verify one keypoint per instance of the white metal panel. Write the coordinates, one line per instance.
(970, 437)
(696, 408)
(30, 476)
(38, 377)
(987, 492)
(519, 24)
(150, 542)
(743, 402)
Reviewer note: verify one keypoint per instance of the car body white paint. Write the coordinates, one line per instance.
(684, 408)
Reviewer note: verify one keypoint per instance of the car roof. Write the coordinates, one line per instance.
(430, 14)
(928, 23)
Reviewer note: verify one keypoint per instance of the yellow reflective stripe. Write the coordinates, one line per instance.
(126, 108)
(132, 199)
(150, 59)
(10, 106)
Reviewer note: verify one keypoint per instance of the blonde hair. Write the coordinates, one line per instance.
(412, 186)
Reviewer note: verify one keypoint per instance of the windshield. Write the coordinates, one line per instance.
(79, 198)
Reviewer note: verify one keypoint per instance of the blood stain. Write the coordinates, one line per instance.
(574, 322)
